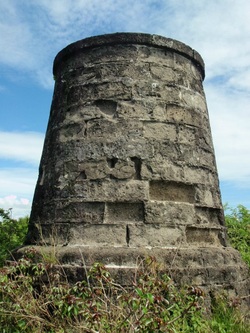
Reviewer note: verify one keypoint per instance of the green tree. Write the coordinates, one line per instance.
(12, 233)
(238, 228)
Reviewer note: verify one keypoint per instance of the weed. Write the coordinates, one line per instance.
(34, 299)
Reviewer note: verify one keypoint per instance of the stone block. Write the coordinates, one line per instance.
(142, 109)
(109, 130)
(207, 216)
(112, 190)
(193, 99)
(95, 170)
(206, 236)
(163, 73)
(82, 212)
(169, 213)
(162, 170)
(98, 235)
(187, 135)
(207, 196)
(79, 95)
(73, 131)
(121, 148)
(189, 116)
(156, 56)
(125, 169)
(197, 175)
(124, 212)
(153, 235)
(164, 131)
(124, 148)
(199, 157)
(171, 191)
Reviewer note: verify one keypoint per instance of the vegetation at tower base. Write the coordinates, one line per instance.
(36, 297)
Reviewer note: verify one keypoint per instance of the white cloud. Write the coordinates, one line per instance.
(229, 118)
(20, 181)
(16, 189)
(19, 207)
(21, 146)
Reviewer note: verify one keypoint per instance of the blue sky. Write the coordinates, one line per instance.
(32, 32)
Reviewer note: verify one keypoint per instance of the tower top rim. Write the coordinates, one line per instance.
(123, 38)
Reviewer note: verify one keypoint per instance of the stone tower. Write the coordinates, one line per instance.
(128, 166)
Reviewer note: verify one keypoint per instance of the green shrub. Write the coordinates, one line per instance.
(12, 233)
(34, 299)
(238, 229)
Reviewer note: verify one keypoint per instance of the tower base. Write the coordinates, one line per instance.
(213, 269)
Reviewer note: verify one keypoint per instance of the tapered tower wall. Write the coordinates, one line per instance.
(128, 165)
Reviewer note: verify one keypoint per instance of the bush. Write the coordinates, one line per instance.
(238, 229)
(34, 298)
(12, 233)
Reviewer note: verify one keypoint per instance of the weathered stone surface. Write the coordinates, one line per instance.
(123, 212)
(153, 235)
(169, 213)
(128, 167)
(98, 235)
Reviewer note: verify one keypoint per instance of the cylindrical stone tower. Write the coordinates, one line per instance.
(128, 166)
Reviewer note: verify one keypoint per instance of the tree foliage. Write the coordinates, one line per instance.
(12, 233)
(238, 229)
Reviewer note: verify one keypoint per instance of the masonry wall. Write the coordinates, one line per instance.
(128, 159)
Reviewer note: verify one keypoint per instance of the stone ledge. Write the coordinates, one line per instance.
(130, 38)
(213, 269)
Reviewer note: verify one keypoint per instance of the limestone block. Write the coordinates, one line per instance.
(124, 148)
(83, 112)
(156, 56)
(207, 196)
(98, 235)
(208, 236)
(143, 109)
(154, 235)
(95, 169)
(121, 148)
(125, 69)
(199, 157)
(189, 116)
(197, 175)
(163, 73)
(171, 191)
(82, 212)
(124, 169)
(78, 95)
(112, 190)
(170, 213)
(161, 169)
(159, 131)
(109, 130)
(209, 216)
(124, 212)
(187, 135)
(73, 131)
(166, 150)
(193, 99)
